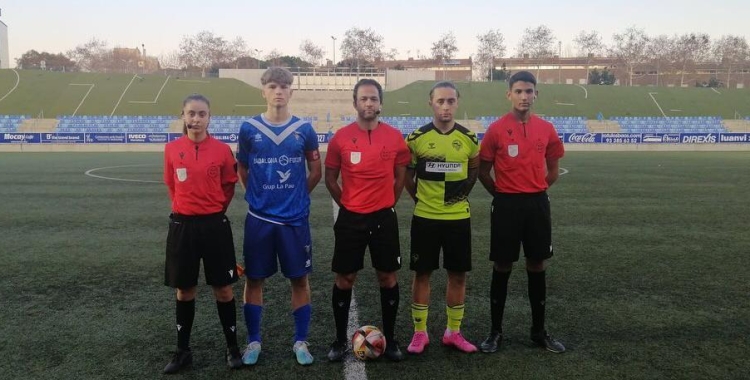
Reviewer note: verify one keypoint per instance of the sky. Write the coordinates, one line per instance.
(408, 26)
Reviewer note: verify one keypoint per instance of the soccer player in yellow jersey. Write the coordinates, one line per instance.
(443, 170)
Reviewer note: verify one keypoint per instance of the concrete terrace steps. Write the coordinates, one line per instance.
(38, 125)
(737, 125)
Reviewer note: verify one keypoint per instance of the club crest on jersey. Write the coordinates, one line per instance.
(355, 157)
(457, 145)
(258, 137)
(513, 150)
(181, 174)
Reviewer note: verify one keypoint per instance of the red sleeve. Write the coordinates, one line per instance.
(168, 172)
(228, 176)
(555, 148)
(333, 156)
(403, 154)
(488, 145)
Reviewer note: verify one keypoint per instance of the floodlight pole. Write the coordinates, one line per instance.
(334, 51)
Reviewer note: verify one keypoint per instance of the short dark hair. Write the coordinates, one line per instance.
(521, 76)
(444, 84)
(368, 82)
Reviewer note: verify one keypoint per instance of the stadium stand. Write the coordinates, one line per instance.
(405, 124)
(144, 124)
(563, 124)
(687, 124)
(10, 123)
(114, 124)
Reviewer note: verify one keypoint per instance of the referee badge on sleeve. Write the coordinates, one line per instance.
(181, 174)
(513, 150)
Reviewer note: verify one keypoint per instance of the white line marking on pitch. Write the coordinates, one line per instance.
(122, 95)
(564, 171)
(565, 104)
(585, 91)
(91, 87)
(353, 369)
(193, 81)
(156, 99)
(651, 94)
(716, 91)
(18, 80)
(90, 171)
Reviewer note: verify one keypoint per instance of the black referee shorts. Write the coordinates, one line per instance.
(428, 236)
(520, 219)
(192, 238)
(355, 232)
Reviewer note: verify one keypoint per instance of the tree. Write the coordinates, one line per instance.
(361, 45)
(90, 56)
(690, 49)
(33, 59)
(310, 52)
(444, 49)
(660, 51)
(537, 43)
(601, 78)
(170, 60)
(206, 50)
(236, 50)
(274, 57)
(499, 75)
(589, 44)
(729, 51)
(630, 48)
(292, 61)
(491, 46)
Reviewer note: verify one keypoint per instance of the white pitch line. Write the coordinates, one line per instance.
(353, 369)
(716, 91)
(91, 87)
(585, 91)
(18, 80)
(90, 171)
(122, 95)
(156, 99)
(564, 171)
(564, 104)
(193, 81)
(651, 94)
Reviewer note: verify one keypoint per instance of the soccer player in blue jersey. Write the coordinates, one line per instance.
(275, 152)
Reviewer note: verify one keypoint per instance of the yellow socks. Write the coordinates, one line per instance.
(455, 316)
(419, 316)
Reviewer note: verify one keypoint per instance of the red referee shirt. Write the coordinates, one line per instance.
(200, 176)
(367, 160)
(519, 153)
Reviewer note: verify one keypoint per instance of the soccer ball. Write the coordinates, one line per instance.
(368, 343)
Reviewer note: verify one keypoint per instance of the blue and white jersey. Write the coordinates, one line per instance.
(275, 157)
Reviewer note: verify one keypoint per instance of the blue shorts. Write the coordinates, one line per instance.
(266, 241)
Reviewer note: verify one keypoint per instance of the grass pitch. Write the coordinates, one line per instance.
(649, 278)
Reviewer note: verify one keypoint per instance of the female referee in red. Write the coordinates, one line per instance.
(200, 173)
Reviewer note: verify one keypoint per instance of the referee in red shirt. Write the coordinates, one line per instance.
(524, 152)
(371, 158)
(200, 173)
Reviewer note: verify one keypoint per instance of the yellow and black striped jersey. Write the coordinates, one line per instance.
(442, 162)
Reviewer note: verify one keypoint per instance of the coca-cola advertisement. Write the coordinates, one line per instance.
(582, 138)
